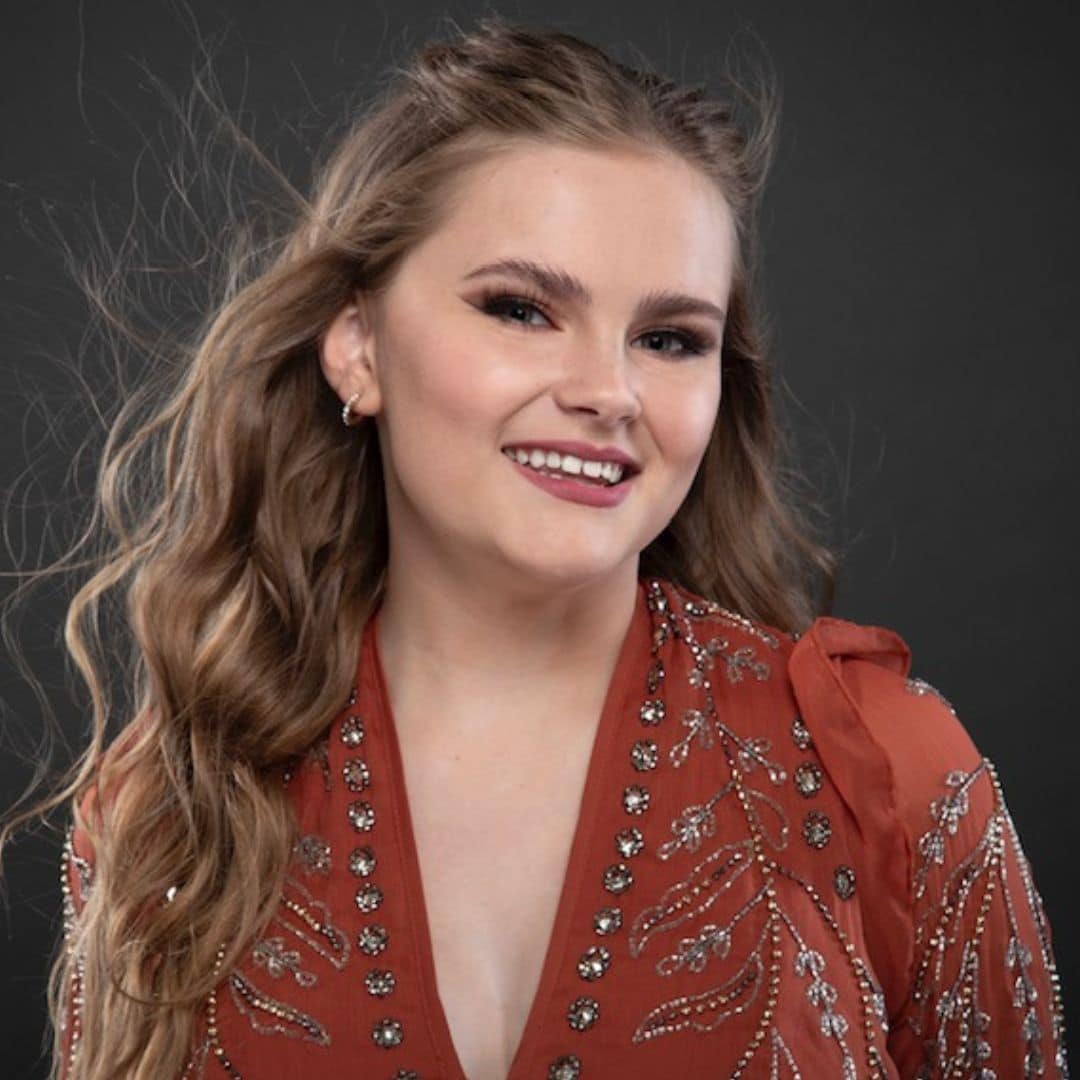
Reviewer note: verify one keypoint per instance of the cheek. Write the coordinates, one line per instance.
(683, 420)
(445, 391)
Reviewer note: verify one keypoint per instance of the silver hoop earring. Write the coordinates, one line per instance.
(346, 409)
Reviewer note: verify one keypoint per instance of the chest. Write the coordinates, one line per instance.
(493, 827)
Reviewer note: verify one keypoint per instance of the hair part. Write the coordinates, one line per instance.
(252, 560)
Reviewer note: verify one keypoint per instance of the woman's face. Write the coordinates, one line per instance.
(616, 344)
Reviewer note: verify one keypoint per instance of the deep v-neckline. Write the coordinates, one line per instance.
(617, 698)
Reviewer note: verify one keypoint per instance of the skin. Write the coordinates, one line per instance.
(505, 607)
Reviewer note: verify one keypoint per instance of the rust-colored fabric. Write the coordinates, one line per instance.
(828, 884)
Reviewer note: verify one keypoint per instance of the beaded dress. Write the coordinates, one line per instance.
(790, 861)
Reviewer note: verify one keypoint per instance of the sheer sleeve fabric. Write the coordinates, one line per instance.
(968, 970)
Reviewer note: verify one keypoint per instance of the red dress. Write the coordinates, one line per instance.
(789, 861)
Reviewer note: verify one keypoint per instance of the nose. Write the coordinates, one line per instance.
(599, 379)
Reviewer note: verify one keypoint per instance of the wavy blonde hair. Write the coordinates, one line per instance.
(248, 531)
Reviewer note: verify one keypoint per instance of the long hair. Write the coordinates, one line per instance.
(248, 530)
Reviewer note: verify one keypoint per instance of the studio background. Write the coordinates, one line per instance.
(919, 236)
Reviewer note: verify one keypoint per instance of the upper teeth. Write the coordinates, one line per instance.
(611, 471)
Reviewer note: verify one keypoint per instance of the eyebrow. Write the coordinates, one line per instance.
(658, 304)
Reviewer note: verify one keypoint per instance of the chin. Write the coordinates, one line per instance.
(565, 570)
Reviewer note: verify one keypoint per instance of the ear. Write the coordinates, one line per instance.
(347, 355)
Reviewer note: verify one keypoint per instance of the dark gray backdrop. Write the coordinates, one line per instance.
(920, 234)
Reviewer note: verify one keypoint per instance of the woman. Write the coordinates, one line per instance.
(486, 727)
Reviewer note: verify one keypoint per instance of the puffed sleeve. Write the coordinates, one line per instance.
(969, 978)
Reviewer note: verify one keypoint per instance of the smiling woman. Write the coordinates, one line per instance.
(500, 730)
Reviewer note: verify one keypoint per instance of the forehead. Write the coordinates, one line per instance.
(617, 218)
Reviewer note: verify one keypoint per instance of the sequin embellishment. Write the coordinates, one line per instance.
(607, 921)
(567, 1067)
(644, 755)
(352, 731)
(362, 862)
(380, 983)
(313, 854)
(270, 1017)
(388, 1033)
(369, 898)
(807, 778)
(583, 1013)
(618, 878)
(629, 842)
(361, 816)
(844, 882)
(372, 939)
(356, 774)
(594, 963)
(919, 687)
(817, 829)
(635, 799)
(271, 954)
(800, 735)
(946, 1005)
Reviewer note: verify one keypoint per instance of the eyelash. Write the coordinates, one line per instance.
(693, 344)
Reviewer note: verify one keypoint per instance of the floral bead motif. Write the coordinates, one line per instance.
(817, 829)
(583, 1013)
(388, 1033)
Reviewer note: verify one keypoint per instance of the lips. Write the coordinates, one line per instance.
(573, 490)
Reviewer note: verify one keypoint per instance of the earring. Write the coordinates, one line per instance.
(347, 410)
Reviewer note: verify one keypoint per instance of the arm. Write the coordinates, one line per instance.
(984, 996)
(955, 925)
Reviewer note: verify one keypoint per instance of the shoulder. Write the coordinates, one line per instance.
(887, 734)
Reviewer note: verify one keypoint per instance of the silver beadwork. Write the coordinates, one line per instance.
(816, 829)
(844, 882)
(652, 711)
(635, 799)
(362, 862)
(369, 898)
(380, 983)
(362, 816)
(800, 734)
(644, 755)
(313, 853)
(567, 1067)
(807, 779)
(352, 731)
(629, 842)
(372, 939)
(618, 878)
(583, 1013)
(388, 1033)
(607, 921)
(356, 773)
(594, 962)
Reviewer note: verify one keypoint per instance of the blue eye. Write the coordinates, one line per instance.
(691, 344)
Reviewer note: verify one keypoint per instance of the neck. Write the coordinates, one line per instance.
(537, 648)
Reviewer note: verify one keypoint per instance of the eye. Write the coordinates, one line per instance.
(690, 344)
(507, 307)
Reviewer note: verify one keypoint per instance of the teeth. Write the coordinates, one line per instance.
(609, 471)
